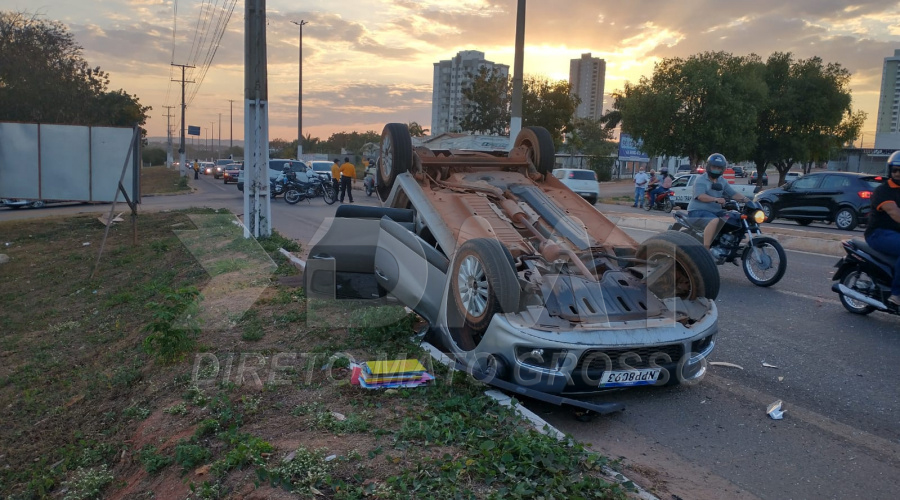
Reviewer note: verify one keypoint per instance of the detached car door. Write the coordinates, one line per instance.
(410, 269)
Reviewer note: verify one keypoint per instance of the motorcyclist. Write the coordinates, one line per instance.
(710, 195)
(665, 183)
(883, 229)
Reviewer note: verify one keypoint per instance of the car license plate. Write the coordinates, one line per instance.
(627, 378)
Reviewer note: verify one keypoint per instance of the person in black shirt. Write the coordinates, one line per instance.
(883, 229)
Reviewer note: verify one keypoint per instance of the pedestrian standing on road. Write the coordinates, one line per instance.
(196, 168)
(348, 173)
(336, 177)
(883, 230)
(640, 184)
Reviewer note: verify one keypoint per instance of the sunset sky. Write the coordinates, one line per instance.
(369, 62)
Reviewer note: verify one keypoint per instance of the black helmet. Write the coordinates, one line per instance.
(893, 162)
(715, 165)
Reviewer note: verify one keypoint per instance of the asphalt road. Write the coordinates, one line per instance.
(840, 437)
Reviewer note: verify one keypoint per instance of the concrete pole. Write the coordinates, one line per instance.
(300, 92)
(515, 123)
(257, 208)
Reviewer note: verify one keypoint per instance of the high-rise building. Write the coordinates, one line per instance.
(448, 106)
(587, 77)
(887, 127)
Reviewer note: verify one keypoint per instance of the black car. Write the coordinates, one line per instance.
(754, 177)
(739, 171)
(840, 197)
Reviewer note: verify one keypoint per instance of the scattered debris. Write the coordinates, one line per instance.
(329, 458)
(106, 221)
(338, 416)
(723, 363)
(775, 410)
(780, 379)
(767, 365)
(86, 244)
(4, 258)
(390, 374)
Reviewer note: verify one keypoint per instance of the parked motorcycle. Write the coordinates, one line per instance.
(296, 190)
(864, 279)
(369, 184)
(762, 257)
(663, 201)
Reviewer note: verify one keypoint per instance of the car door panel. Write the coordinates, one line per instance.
(409, 269)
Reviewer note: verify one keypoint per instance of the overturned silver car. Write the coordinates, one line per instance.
(519, 278)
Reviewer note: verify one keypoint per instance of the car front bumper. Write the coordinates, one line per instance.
(577, 359)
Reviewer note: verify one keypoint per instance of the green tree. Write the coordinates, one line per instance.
(43, 78)
(416, 130)
(548, 104)
(153, 156)
(590, 137)
(808, 113)
(486, 103)
(696, 106)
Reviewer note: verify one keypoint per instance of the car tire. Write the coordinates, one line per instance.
(482, 283)
(695, 273)
(396, 157)
(539, 148)
(845, 219)
(768, 210)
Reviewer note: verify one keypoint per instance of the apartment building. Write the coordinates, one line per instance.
(587, 78)
(887, 127)
(448, 106)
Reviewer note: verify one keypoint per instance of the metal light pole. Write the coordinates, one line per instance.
(300, 92)
(515, 122)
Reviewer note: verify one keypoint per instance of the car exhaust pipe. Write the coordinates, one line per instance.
(853, 294)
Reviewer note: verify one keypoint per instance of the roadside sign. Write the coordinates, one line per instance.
(192, 130)
(630, 150)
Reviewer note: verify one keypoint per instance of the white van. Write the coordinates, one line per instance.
(580, 181)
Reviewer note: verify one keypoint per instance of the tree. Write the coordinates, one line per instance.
(43, 78)
(153, 155)
(487, 103)
(591, 138)
(416, 130)
(807, 115)
(693, 107)
(548, 104)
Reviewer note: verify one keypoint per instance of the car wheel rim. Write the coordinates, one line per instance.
(767, 210)
(387, 159)
(843, 218)
(473, 286)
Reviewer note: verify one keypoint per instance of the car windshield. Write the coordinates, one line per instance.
(322, 166)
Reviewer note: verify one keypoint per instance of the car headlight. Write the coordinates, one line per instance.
(552, 359)
(759, 216)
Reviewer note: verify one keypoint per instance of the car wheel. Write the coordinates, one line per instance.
(396, 157)
(861, 282)
(768, 210)
(845, 219)
(539, 149)
(482, 284)
(679, 266)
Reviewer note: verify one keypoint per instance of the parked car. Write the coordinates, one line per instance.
(791, 176)
(276, 167)
(519, 280)
(582, 182)
(322, 167)
(231, 172)
(840, 197)
(18, 203)
(738, 171)
(754, 176)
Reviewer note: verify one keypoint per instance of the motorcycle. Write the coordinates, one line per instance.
(864, 279)
(369, 184)
(762, 257)
(662, 202)
(295, 190)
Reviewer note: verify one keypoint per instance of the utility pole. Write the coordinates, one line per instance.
(183, 106)
(212, 139)
(231, 121)
(169, 115)
(219, 143)
(257, 206)
(515, 123)
(300, 93)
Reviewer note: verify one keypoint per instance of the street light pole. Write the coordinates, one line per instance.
(300, 92)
